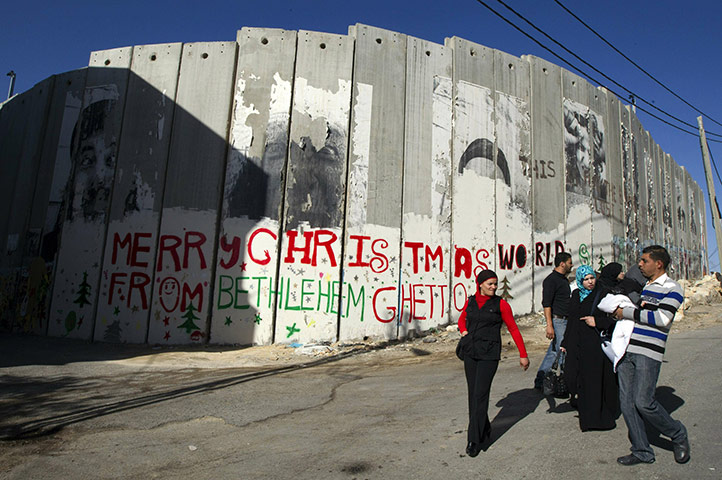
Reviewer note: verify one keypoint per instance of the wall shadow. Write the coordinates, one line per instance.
(31, 397)
(120, 180)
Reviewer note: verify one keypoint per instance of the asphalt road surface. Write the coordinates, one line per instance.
(89, 411)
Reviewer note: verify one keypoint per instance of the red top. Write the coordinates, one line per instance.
(506, 315)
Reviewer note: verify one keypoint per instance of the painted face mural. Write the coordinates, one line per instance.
(315, 191)
(257, 182)
(576, 148)
(93, 154)
(169, 294)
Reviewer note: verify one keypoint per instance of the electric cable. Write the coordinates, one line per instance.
(694, 134)
(599, 71)
(635, 64)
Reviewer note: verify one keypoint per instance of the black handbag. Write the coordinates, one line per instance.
(554, 383)
(462, 346)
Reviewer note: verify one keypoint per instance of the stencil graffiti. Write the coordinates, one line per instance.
(483, 148)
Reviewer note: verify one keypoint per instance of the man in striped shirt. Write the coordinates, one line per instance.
(639, 368)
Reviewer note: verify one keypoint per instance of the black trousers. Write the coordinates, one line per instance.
(479, 375)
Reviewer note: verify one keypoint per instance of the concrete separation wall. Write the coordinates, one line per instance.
(303, 187)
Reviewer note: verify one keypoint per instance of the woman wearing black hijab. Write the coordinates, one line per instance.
(483, 315)
(594, 379)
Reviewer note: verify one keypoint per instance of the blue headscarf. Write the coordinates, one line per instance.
(582, 272)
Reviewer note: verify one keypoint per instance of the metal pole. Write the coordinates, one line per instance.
(713, 206)
(11, 74)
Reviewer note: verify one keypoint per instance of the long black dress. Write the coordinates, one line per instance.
(588, 372)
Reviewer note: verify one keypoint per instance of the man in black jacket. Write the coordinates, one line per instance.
(555, 300)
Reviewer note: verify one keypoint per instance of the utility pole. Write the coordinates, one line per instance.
(11, 74)
(713, 205)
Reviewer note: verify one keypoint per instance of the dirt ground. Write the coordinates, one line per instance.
(706, 313)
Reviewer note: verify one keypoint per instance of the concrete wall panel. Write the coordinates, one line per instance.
(578, 168)
(20, 238)
(639, 151)
(51, 201)
(130, 249)
(93, 152)
(185, 259)
(704, 248)
(615, 191)
(602, 160)
(548, 180)
(426, 231)
(694, 227)
(656, 171)
(665, 204)
(36, 272)
(652, 186)
(12, 127)
(630, 188)
(373, 207)
(250, 226)
(474, 169)
(514, 262)
(310, 285)
(681, 222)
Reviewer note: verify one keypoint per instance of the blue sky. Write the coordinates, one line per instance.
(677, 42)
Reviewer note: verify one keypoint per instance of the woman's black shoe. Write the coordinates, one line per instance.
(473, 449)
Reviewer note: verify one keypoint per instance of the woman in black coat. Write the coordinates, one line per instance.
(588, 371)
(480, 324)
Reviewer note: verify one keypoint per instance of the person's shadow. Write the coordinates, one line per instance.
(671, 402)
(514, 407)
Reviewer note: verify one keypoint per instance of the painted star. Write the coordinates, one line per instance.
(134, 308)
(291, 330)
(116, 311)
(166, 336)
(228, 321)
(166, 321)
(257, 319)
(243, 266)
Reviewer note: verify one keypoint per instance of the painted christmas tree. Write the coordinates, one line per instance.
(505, 288)
(602, 263)
(113, 332)
(71, 321)
(189, 316)
(83, 292)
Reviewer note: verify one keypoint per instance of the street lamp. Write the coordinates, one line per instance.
(11, 74)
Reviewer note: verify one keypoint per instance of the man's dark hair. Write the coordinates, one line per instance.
(560, 258)
(658, 252)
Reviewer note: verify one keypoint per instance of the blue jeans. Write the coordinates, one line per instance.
(637, 383)
(560, 326)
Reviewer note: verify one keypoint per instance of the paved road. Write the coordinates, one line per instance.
(97, 411)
